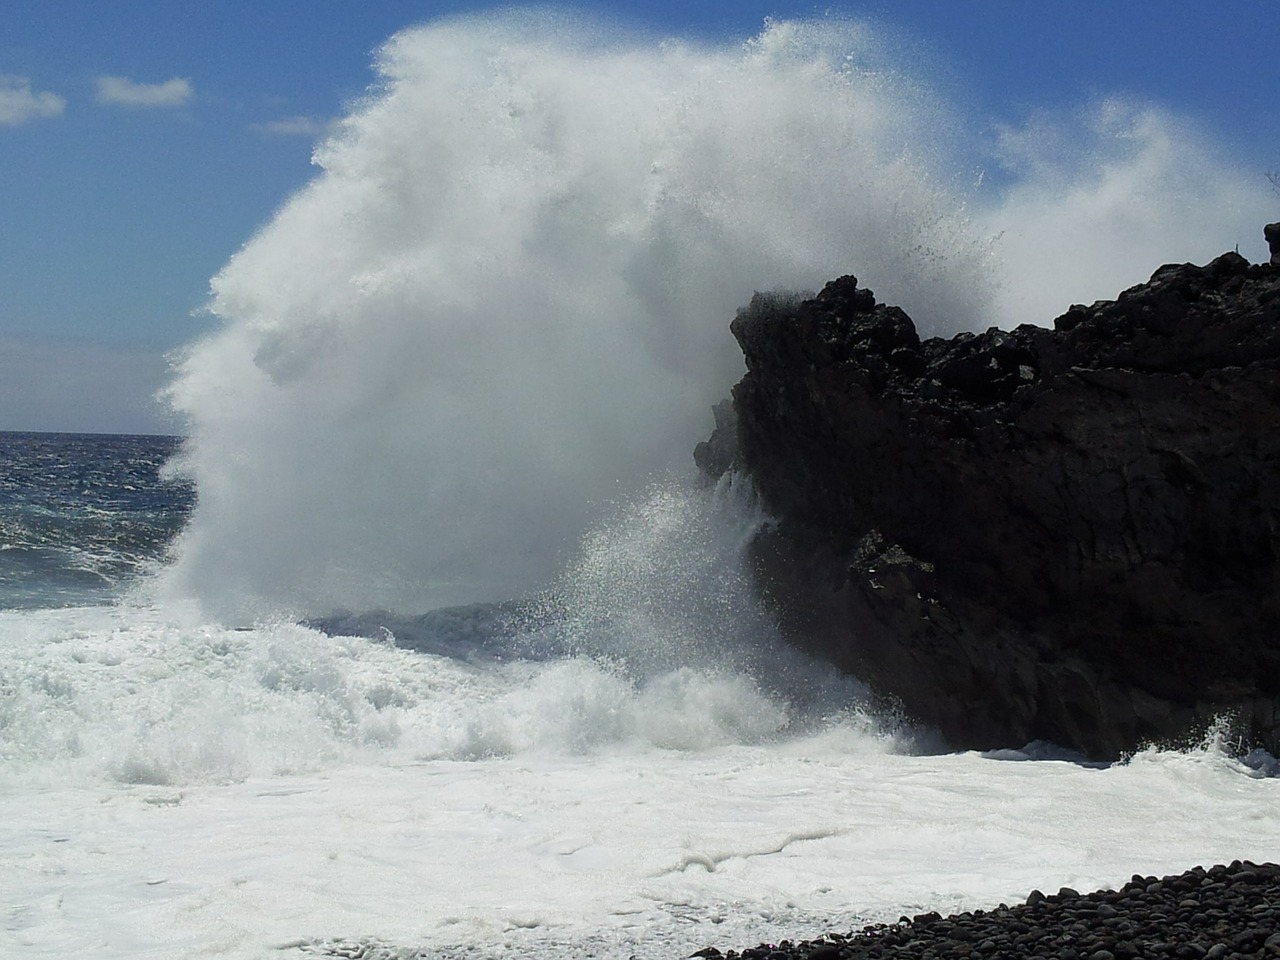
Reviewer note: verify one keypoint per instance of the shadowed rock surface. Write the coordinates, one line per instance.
(1067, 534)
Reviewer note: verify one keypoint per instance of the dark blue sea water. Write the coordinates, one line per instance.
(83, 515)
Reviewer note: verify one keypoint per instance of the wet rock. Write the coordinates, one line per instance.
(1156, 926)
(1067, 534)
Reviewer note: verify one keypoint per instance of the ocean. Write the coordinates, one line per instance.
(427, 641)
(629, 764)
(83, 515)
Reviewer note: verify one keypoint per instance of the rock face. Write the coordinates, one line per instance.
(1068, 534)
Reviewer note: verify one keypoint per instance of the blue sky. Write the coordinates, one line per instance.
(143, 141)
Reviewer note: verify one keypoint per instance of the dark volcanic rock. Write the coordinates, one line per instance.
(1224, 911)
(1066, 534)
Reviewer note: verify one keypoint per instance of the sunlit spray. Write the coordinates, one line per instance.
(505, 299)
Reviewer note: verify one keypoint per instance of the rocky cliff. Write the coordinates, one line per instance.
(1068, 534)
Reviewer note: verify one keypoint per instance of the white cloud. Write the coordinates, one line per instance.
(121, 91)
(19, 103)
(294, 127)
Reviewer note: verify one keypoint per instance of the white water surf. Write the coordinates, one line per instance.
(610, 780)
(258, 793)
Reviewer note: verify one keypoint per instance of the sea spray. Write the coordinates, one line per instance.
(651, 639)
(661, 585)
(1099, 196)
(652, 635)
(504, 300)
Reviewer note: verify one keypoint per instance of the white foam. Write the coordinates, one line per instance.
(604, 848)
(177, 788)
(651, 639)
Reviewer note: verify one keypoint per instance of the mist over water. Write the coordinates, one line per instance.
(503, 302)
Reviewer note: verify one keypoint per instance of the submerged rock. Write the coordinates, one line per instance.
(1067, 535)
